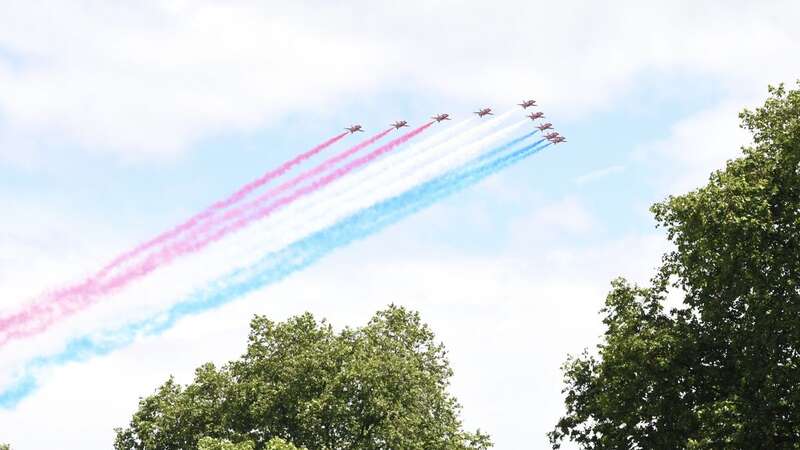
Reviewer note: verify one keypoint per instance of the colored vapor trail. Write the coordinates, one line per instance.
(220, 205)
(85, 286)
(388, 183)
(276, 265)
(38, 317)
(198, 218)
(332, 206)
(420, 155)
(303, 177)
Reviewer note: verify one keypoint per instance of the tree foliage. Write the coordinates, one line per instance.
(207, 443)
(723, 370)
(382, 386)
(280, 444)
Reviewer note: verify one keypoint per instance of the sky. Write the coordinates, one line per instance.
(118, 120)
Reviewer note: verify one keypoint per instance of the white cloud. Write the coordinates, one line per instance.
(696, 146)
(598, 174)
(148, 80)
(567, 217)
(42, 243)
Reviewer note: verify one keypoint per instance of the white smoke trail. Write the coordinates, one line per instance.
(367, 186)
(317, 210)
(327, 209)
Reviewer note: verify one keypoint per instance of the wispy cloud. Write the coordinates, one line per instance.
(149, 80)
(696, 145)
(598, 174)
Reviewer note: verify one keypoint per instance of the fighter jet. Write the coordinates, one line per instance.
(484, 112)
(441, 117)
(525, 104)
(545, 126)
(354, 128)
(551, 136)
(558, 140)
(536, 115)
(400, 124)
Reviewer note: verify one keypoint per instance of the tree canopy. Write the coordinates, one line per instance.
(208, 443)
(300, 383)
(722, 371)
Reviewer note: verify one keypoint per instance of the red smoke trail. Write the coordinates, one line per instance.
(39, 316)
(305, 176)
(193, 221)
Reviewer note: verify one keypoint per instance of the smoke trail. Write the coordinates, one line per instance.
(237, 196)
(205, 214)
(282, 227)
(315, 212)
(411, 172)
(327, 211)
(305, 176)
(417, 155)
(274, 266)
(38, 317)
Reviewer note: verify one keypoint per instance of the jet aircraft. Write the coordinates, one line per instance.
(525, 104)
(552, 135)
(354, 128)
(545, 126)
(536, 115)
(400, 124)
(441, 117)
(484, 112)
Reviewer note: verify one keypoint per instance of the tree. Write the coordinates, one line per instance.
(280, 444)
(207, 443)
(722, 371)
(382, 386)
(5, 447)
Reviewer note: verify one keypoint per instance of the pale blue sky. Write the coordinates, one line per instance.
(117, 122)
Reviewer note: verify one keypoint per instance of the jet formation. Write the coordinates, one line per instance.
(552, 136)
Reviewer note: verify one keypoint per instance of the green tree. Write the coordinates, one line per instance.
(5, 447)
(279, 444)
(382, 386)
(722, 371)
(207, 443)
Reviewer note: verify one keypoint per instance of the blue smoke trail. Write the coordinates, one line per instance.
(278, 264)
